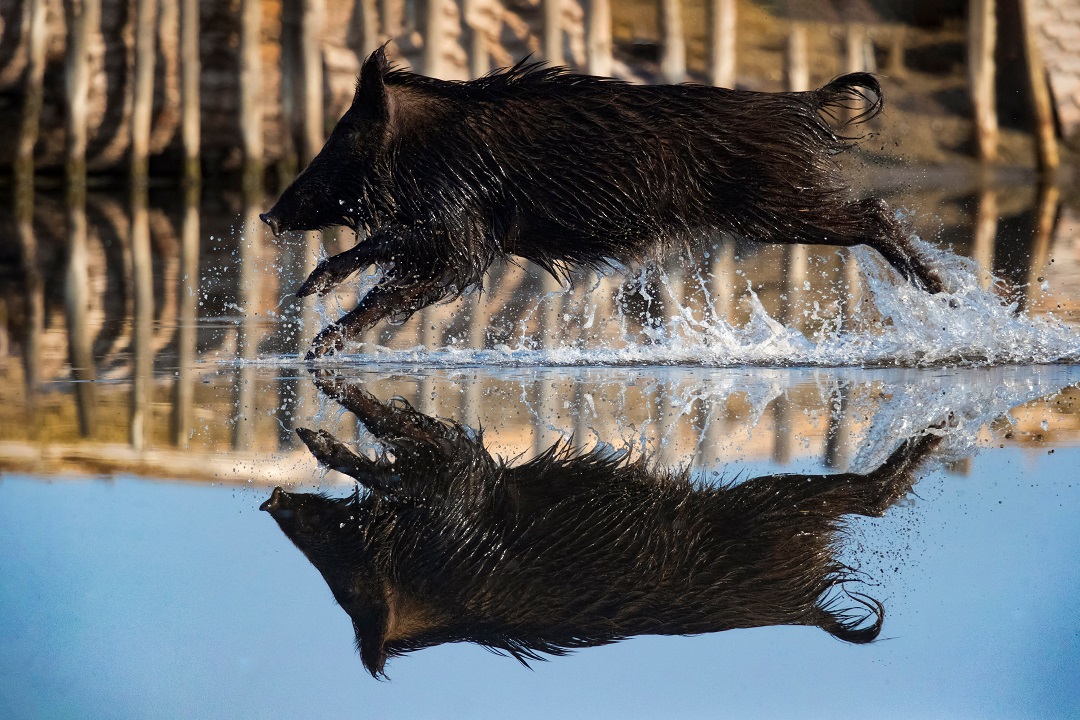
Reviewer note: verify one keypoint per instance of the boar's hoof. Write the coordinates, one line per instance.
(308, 287)
(326, 342)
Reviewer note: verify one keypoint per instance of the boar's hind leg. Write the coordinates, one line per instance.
(869, 222)
(384, 300)
(372, 474)
(892, 242)
(333, 270)
(874, 493)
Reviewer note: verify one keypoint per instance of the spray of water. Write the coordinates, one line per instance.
(891, 324)
(894, 325)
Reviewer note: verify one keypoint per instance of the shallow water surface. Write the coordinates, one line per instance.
(137, 444)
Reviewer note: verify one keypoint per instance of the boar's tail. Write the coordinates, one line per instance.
(858, 93)
(850, 624)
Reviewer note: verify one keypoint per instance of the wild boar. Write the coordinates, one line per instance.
(570, 170)
(446, 543)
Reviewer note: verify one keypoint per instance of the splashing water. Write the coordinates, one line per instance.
(892, 325)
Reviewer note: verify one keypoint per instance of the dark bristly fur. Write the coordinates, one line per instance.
(572, 549)
(563, 169)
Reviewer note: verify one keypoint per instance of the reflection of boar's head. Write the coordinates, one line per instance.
(342, 184)
(571, 550)
(329, 534)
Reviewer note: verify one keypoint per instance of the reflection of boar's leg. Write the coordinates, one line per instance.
(874, 493)
(376, 475)
(893, 480)
(799, 514)
(418, 442)
(386, 421)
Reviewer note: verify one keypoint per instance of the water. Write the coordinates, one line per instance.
(139, 438)
(893, 325)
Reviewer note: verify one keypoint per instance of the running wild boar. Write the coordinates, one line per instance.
(441, 178)
(572, 549)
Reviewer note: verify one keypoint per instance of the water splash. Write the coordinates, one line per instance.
(893, 325)
(674, 319)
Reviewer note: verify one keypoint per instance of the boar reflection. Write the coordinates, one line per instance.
(446, 543)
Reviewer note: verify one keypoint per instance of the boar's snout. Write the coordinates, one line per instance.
(275, 227)
(278, 504)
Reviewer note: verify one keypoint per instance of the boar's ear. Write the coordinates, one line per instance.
(371, 627)
(371, 98)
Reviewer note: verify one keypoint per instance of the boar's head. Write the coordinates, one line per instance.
(330, 532)
(344, 184)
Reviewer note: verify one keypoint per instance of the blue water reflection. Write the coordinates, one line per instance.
(137, 599)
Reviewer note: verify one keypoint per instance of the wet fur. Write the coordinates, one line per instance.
(571, 549)
(565, 170)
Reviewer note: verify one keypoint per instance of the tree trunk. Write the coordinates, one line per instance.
(721, 42)
(143, 102)
(982, 37)
(434, 37)
(553, 32)
(251, 107)
(672, 42)
(599, 37)
(166, 118)
(33, 94)
(797, 70)
(83, 18)
(311, 27)
(1041, 104)
(190, 71)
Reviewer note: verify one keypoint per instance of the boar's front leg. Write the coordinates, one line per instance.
(333, 270)
(393, 297)
(423, 445)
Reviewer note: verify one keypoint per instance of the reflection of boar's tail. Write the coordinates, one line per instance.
(855, 92)
(850, 623)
